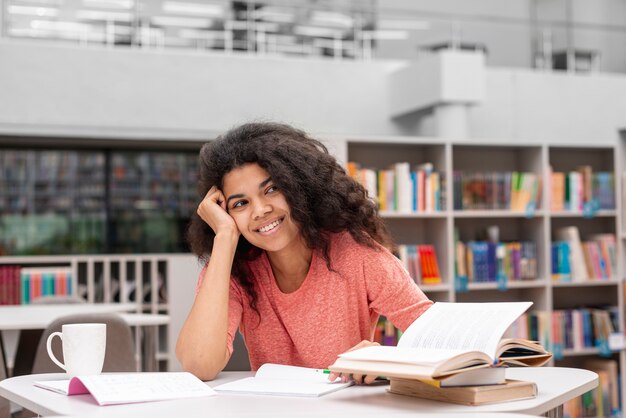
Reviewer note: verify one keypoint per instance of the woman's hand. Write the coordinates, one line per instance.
(358, 378)
(212, 210)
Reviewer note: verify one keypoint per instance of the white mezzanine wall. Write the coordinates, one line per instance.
(53, 90)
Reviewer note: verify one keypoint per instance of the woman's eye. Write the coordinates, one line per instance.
(272, 189)
(239, 204)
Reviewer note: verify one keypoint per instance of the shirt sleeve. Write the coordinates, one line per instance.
(235, 308)
(391, 291)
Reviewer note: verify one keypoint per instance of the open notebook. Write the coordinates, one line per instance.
(278, 379)
(121, 388)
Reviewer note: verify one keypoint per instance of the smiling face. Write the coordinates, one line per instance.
(259, 208)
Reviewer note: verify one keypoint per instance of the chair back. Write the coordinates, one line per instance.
(239, 361)
(5, 408)
(120, 352)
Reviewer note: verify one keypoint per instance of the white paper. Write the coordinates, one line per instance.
(463, 326)
(282, 380)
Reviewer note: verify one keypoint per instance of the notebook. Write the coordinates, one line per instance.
(121, 388)
(282, 380)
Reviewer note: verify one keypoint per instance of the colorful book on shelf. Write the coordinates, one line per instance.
(283, 380)
(465, 395)
(123, 388)
(449, 338)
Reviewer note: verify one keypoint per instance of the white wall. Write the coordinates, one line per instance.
(185, 94)
(182, 95)
(524, 104)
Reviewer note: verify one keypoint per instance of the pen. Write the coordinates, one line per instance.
(325, 371)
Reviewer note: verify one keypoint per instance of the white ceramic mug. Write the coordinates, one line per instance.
(83, 348)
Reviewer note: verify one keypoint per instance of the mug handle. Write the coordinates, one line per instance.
(49, 347)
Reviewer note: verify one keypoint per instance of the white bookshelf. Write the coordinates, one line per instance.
(537, 226)
(115, 279)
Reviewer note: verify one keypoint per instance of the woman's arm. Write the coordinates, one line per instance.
(202, 342)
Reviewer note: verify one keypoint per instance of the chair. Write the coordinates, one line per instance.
(120, 352)
(239, 361)
(5, 411)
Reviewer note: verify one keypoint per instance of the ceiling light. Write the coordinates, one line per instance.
(196, 9)
(33, 11)
(60, 26)
(104, 15)
(331, 19)
(110, 4)
(275, 14)
(185, 22)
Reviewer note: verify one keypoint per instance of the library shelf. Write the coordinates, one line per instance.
(444, 287)
(472, 169)
(413, 215)
(495, 213)
(604, 213)
(588, 283)
(511, 284)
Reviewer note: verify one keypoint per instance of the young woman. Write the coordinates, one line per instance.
(296, 256)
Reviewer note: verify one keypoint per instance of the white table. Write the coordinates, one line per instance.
(556, 385)
(23, 317)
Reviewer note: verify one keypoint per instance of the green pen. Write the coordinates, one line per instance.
(325, 371)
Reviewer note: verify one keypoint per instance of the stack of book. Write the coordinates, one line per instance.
(576, 260)
(454, 352)
(421, 263)
(570, 191)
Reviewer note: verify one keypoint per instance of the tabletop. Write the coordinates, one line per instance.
(20, 317)
(555, 386)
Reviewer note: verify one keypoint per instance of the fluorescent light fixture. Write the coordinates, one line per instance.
(196, 9)
(184, 22)
(275, 14)
(104, 15)
(316, 31)
(386, 34)
(333, 19)
(41, 2)
(33, 11)
(60, 26)
(403, 24)
(110, 4)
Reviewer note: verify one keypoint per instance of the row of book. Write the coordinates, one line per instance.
(385, 333)
(604, 400)
(23, 285)
(485, 261)
(572, 190)
(401, 188)
(421, 263)
(576, 329)
(516, 191)
(575, 260)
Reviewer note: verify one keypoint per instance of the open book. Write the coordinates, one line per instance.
(120, 388)
(278, 379)
(449, 338)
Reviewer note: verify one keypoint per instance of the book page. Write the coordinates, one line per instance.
(117, 388)
(283, 380)
(463, 326)
(285, 372)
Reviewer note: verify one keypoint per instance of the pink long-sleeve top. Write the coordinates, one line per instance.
(332, 311)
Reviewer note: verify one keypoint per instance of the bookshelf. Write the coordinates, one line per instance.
(536, 223)
(143, 280)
